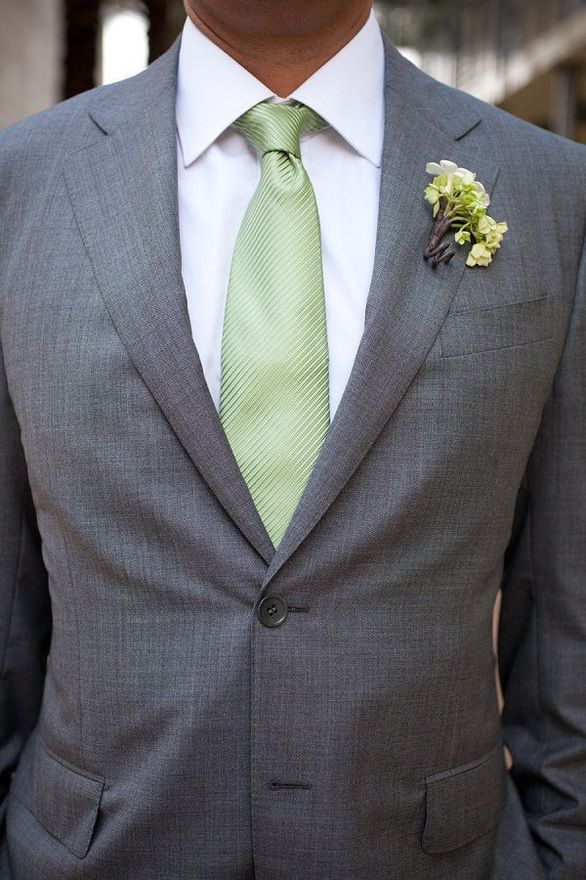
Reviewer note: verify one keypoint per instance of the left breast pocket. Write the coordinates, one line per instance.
(497, 327)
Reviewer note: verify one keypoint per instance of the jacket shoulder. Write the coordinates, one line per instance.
(72, 124)
(41, 134)
(521, 142)
(532, 155)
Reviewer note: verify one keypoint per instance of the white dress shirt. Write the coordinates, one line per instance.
(218, 172)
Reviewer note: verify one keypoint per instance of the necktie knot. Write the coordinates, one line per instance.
(270, 127)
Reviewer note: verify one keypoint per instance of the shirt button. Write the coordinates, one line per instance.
(272, 611)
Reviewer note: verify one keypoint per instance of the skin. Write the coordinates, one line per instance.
(281, 42)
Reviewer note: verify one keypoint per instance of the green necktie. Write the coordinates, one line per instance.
(274, 403)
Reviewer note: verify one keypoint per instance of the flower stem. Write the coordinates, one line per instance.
(441, 253)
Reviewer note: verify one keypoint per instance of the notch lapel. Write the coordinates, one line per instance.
(408, 300)
(124, 192)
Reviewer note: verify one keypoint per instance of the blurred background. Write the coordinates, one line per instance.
(528, 56)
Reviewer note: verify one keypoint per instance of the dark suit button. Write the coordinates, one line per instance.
(272, 611)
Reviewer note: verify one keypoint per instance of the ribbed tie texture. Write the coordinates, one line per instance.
(274, 397)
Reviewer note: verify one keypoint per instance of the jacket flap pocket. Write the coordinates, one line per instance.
(64, 799)
(497, 327)
(464, 802)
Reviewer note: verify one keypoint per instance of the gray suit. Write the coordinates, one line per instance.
(171, 733)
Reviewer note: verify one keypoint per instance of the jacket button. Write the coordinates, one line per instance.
(272, 610)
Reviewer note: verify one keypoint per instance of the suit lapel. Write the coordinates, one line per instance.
(408, 300)
(124, 191)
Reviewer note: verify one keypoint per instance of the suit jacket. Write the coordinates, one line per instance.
(156, 727)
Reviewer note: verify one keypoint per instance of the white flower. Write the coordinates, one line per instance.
(483, 196)
(463, 201)
(451, 169)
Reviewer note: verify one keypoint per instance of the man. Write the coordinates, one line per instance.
(265, 469)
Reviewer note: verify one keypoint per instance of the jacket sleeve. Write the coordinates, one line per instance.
(25, 610)
(542, 637)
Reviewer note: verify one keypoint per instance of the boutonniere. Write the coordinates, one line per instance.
(460, 201)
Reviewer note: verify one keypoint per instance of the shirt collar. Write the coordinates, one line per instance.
(347, 91)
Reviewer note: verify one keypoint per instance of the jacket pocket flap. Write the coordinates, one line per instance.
(497, 327)
(64, 799)
(463, 803)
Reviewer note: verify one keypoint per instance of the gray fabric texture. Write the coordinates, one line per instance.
(151, 728)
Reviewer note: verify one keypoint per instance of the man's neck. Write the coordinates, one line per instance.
(283, 64)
